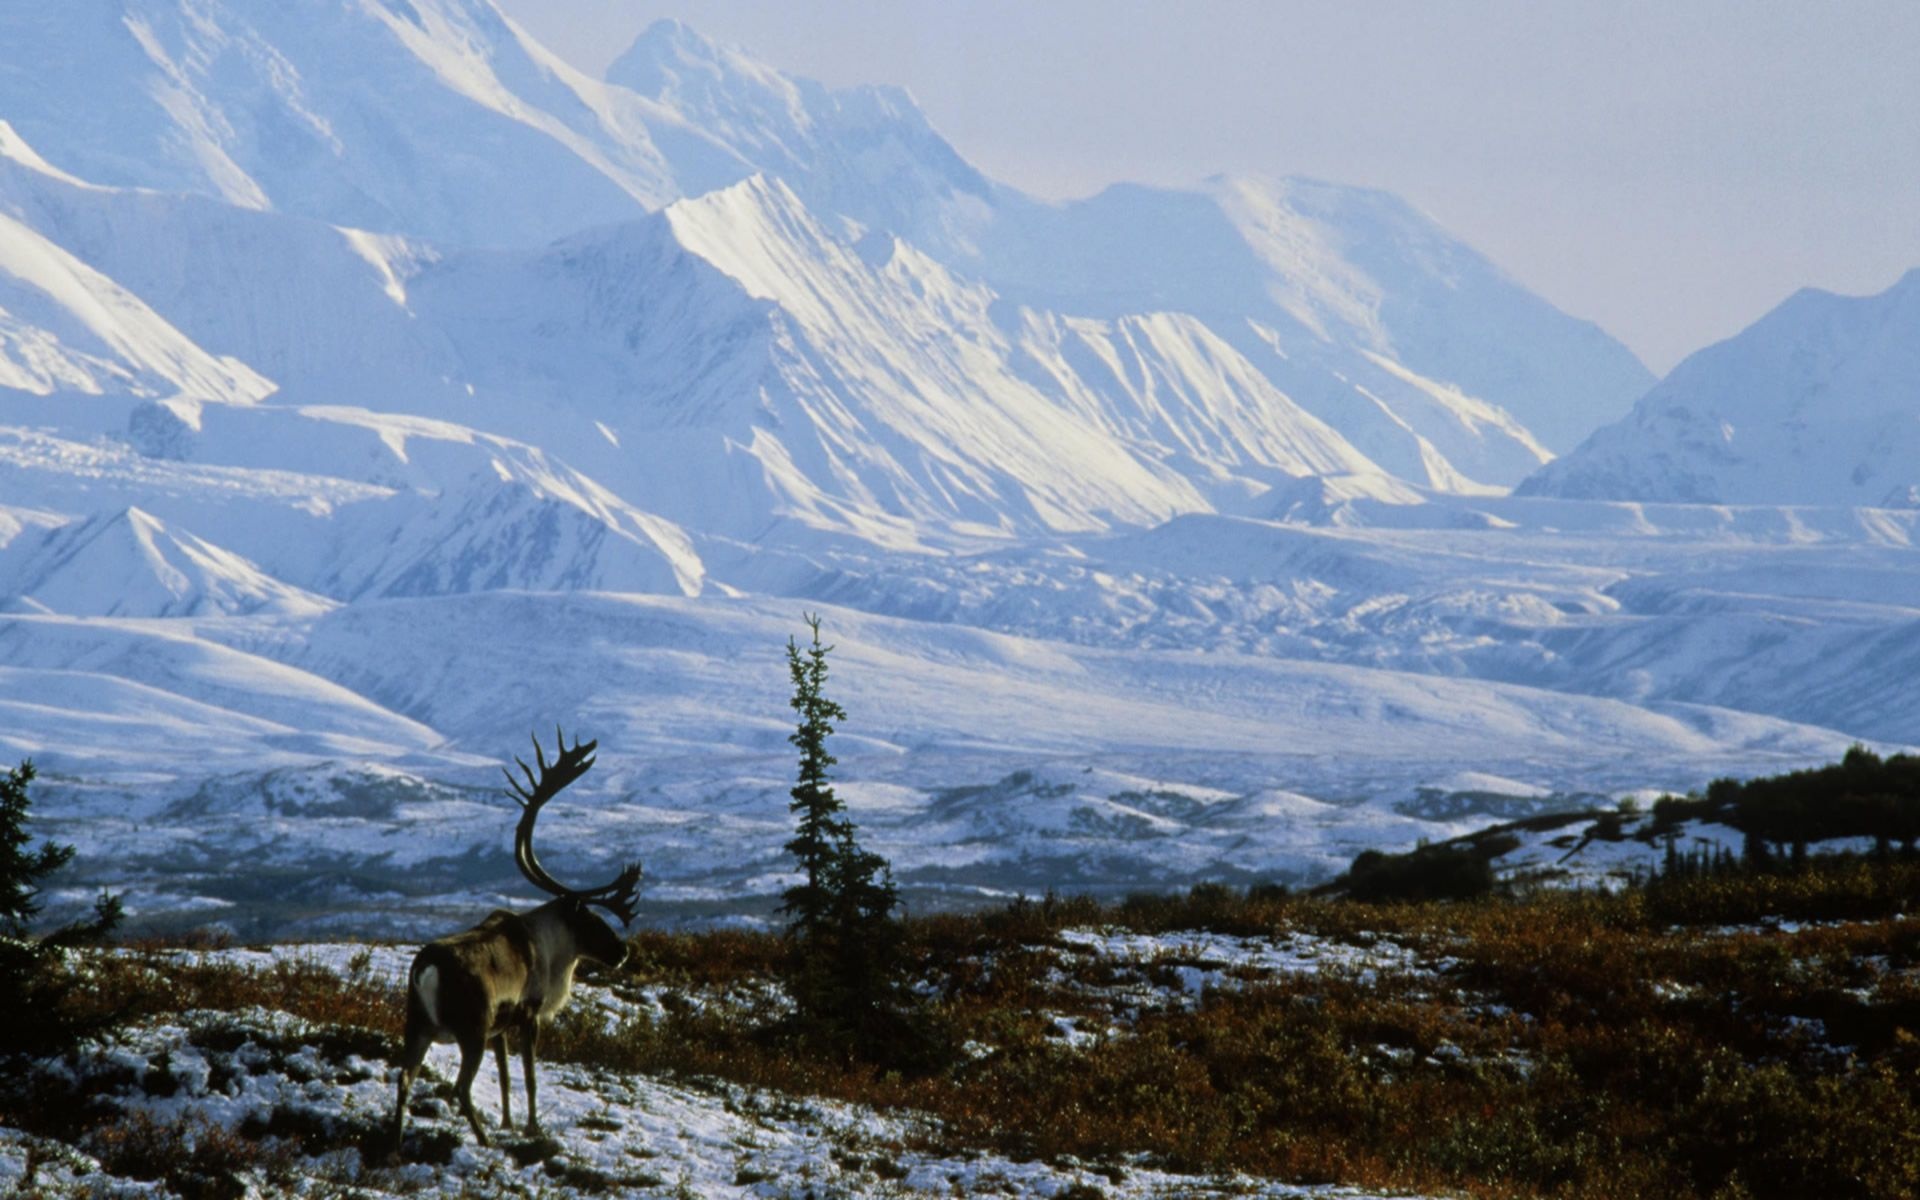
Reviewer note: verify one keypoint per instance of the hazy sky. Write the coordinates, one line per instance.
(1671, 170)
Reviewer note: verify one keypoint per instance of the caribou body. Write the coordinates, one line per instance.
(513, 971)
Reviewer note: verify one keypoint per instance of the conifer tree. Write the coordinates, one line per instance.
(846, 965)
(21, 868)
(35, 984)
(820, 829)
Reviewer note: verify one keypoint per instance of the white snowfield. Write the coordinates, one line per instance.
(376, 389)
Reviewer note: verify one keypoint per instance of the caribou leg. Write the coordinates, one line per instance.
(529, 1035)
(506, 1103)
(414, 1053)
(472, 1051)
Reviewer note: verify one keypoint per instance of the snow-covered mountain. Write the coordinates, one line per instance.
(1415, 346)
(1828, 384)
(1314, 282)
(433, 117)
(375, 388)
(864, 153)
(730, 336)
(443, 121)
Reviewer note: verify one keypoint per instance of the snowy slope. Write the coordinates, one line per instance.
(1803, 614)
(979, 763)
(130, 564)
(501, 530)
(1366, 261)
(846, 386)
(918, 410)
(433, 117)
(357, 299)
(337, 501)
(1326, 276)
(866, 153)
(735, 338)
(1826, 385)
(889, 383)
(264, 514)
(66, 327)
(318, 310)
(146, 701)
(1166, 381)
(323, 113)
(1289, 291)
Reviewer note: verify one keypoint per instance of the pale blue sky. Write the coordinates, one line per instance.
(1670, 170)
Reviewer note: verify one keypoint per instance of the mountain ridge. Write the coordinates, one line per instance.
(1827, 382)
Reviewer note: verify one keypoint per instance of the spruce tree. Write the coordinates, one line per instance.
(21, 868)
(36, 984)
(845, 964)
(820, 829)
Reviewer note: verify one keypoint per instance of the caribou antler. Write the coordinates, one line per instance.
(569, 764)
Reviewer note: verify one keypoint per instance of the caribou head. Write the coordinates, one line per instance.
(617, 897)
(513, 971)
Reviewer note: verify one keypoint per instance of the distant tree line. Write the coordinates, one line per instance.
(1861, 796)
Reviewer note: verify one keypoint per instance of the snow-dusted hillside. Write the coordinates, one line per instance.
(980, 763)
(67, 327)
(374, 388)
(1828, 384)
(1408, 342)
(864, 153)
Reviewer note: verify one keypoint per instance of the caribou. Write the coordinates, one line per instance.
(512, 971)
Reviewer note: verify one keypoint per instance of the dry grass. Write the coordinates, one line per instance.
(192, 1157)
(1589, 1046)
(152, 981)
(1580, 1045)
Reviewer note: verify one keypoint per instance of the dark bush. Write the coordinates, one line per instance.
(1429, 873)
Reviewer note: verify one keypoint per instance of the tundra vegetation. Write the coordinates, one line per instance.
(1745, 1028)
